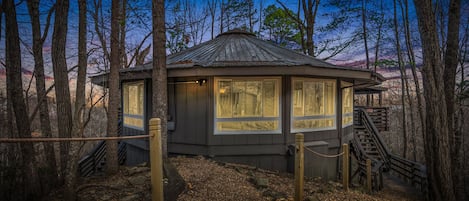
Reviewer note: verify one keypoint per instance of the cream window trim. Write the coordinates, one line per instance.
(133, 113)
(247, 105)
(347, 104)
(313, 105)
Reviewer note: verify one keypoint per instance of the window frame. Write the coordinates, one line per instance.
(134, 116)
(277, 119)
(325, 116)
(347, 85)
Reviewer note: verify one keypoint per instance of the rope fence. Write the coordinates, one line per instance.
(324, 155)
(19, 140)
(156, 161)
(299, 165)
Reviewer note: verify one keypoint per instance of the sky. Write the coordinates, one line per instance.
(139, 29)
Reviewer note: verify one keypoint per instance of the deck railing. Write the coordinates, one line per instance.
(379, 115)
(95, 160)
(412, 172)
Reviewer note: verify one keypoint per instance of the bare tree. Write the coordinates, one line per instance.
(212, 7)
(159, 74)
(451, 66)
(114, 95)
(438, 145)
(29, 177)
(62, 90)
(80, 105)
(50, 178)
(403, 77)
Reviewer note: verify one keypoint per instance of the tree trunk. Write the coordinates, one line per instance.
(451, 65)
(62, 90)
(114, 95)
(403, 82)
(365, 36)
(49, 179)
(160, 96)
(78, 117)
(122, 26)
(13, 68)
(411, 57)
(437, 148)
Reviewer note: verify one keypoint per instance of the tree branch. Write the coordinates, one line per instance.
(46, 28)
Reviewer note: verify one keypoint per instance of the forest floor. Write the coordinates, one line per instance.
(208, 180)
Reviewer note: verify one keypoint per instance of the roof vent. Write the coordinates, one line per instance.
(237, 31)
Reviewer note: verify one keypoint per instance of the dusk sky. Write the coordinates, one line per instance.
(138, 30)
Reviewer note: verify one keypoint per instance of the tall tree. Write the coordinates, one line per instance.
(159, 74)
(212, 7)
(413, 65)
(279, 26)
(437, 131)
(114, 96)
(403, 77)
(62, 90)
(78, 116)
(50, 176)
(310, 10)
(29, 177)
(451, 66)
(239, 14)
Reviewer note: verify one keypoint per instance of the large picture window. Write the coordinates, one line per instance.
(347, 104)
(247, 105)
(133, 101)
(313, 104)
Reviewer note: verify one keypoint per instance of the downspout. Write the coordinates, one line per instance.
(339, 119)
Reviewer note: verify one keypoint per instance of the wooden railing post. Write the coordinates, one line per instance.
(299, 166)
(345, 167)
(368, 174)
(156, 160)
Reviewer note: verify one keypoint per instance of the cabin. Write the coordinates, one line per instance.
(241, 99)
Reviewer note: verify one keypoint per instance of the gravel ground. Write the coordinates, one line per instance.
(207, 180)
(210, 180)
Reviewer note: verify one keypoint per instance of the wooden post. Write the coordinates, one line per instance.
(345, 167)
(156, 160)
(299, 166)
(368, 174)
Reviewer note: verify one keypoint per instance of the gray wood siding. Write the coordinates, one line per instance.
(190, 108)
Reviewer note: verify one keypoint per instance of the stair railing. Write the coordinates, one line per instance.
(413, 172)
(377, 166)
(94, 161)
(367, 122)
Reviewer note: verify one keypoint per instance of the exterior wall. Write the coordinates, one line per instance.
(191, 131)
(189, 112)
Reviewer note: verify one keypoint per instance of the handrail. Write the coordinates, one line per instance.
(377, 166)
(411, 170)
(367, 121)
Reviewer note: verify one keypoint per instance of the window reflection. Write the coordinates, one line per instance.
(133, 95)
(313, 104)
(240, 99)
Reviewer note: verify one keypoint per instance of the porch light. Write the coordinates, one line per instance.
(201, 81)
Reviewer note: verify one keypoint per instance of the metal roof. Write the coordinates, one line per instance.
(238, 48)
(240, 53)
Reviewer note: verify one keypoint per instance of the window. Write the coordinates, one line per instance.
(347, 104)
(313, 104)
(247, 105)
(133, 93)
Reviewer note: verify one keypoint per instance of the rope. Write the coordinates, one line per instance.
(14, 140)
(324, 155)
